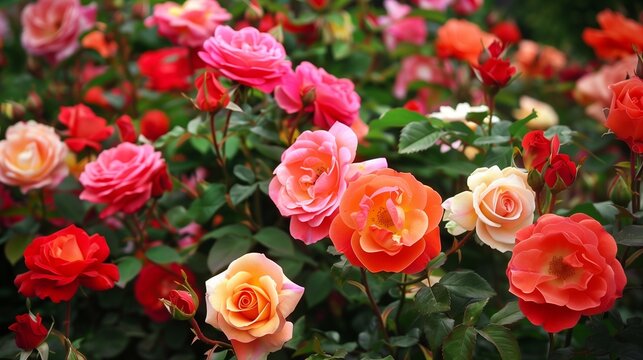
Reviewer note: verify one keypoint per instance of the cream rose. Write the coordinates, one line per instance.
(249, 302)
(499, 203)
(32, 156)
(547, 116)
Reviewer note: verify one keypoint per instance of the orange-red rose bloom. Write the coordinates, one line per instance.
(562, 268)
(616, 37)
(462, 40)
(625, 117)
(63, 261)
(388, 221)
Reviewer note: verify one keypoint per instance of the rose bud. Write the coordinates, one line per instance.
(30, 332)
(154, 124)
(126, 129)
(560, 173)
(162, 182)
(180, 304)
(211, 94)
(620, 192)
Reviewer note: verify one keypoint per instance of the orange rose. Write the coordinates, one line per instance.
(462, 40)
(615, 38)
(625, 117)
(32, 157)
(388, 221)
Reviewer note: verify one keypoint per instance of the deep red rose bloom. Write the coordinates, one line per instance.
(166, 69)
(86, 129)
(154, 124)
(537, 149)
(507, 32)
(211, 95)
(562, 268)
(126, 129)
(30, 332)
(155, 282)
(61, 262)
(496, 72)
(625, 117)
(560, 166)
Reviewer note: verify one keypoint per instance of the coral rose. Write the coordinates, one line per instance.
(625, 117)
(155, 282)
(462, 40)
(312, 89)
(51, 28)
(189, 24)
(62, 262)
(499, 203)
(29, 330)
(86, 129)
(312, 178)
(249, 302)
(166, 69)
(617, 37)
(388, 221)
(32, 157)
(250, 57)
(562, 268)
(123, 178)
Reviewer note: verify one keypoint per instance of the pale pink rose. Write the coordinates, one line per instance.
(51, 28)
(427, 69)
(499, 203)
(399, 27)
(189, 24)
(592, 89)
(32, 156)
(249, 302)
(439, 5)
(250, 57)
(312, 177)
(312, 89)
(123, 177)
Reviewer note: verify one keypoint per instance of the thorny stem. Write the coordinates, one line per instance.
(376, 311)
(199, 334)
(460, 243)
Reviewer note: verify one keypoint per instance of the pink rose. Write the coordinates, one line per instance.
(32, 156)
(422, 68)
(51, 27)
(398, 27)
(312, 89)
(189, 24)
(249, 302)
(247, 56)
(312, 177)
(122, 177)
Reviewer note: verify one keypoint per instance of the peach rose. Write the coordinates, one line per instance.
(312, 178)
(51, 27)
(388, 221)
(499, 203)
(189, 24)
(547, 116)
(562, 268)
(539, 60)
(32, 156)
(462, 40)
(625, 117)
(249, 302)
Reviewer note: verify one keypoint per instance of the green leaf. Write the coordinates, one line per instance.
(437, 327)
(437, 261)
(341, 49)
(163, 254)
(15, 247)
(233, 229)
(430, 15)
(239, 193)
(418, 136)
(473, 311)
(319, 285)
(128, 268)
(244, 174)
(564, 133)
(489, 140)
(275, 239)
(477, 117)
(460, 343)
(178, 217)
(272, 152)
(507, 315)
(227, 249)
(221, 355)
(519, 128)
(500, 155)
(212, 199)
(407, 340)
(631, 235)
(503, 340)
(393, 118)
(201, 144)
(468, 284)
(501, 128)
(433, 299)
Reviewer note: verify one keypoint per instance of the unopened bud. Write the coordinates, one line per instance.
(13, 110)
(620, 192)
(182, 304)
(308, 95)
(535, 180)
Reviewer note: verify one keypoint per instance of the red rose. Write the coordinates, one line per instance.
(537, 149)
(560, 166)
(507, 32)
(562, 268)
(155, 282)
(30, 332)
(85, 128)
(182, 302)
(126, 129)
(154, 124)
(61, 262)
(616, 38)
(166, 69)
(495, 72)
(625, 117)
(318, 4)
(211, 94)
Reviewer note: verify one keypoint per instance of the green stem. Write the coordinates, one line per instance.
(634, 175)
(376, 311)
(199, 334)
(67, 322)
(552, 345)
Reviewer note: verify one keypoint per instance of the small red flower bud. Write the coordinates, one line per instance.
(560, 168)
(211, 94)
(30, 332)
(162, 182)
(507, 32)
(126, 129)
(154, 124)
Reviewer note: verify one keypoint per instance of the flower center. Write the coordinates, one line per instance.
(66, 248)
(382, 218)
(558, 268)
